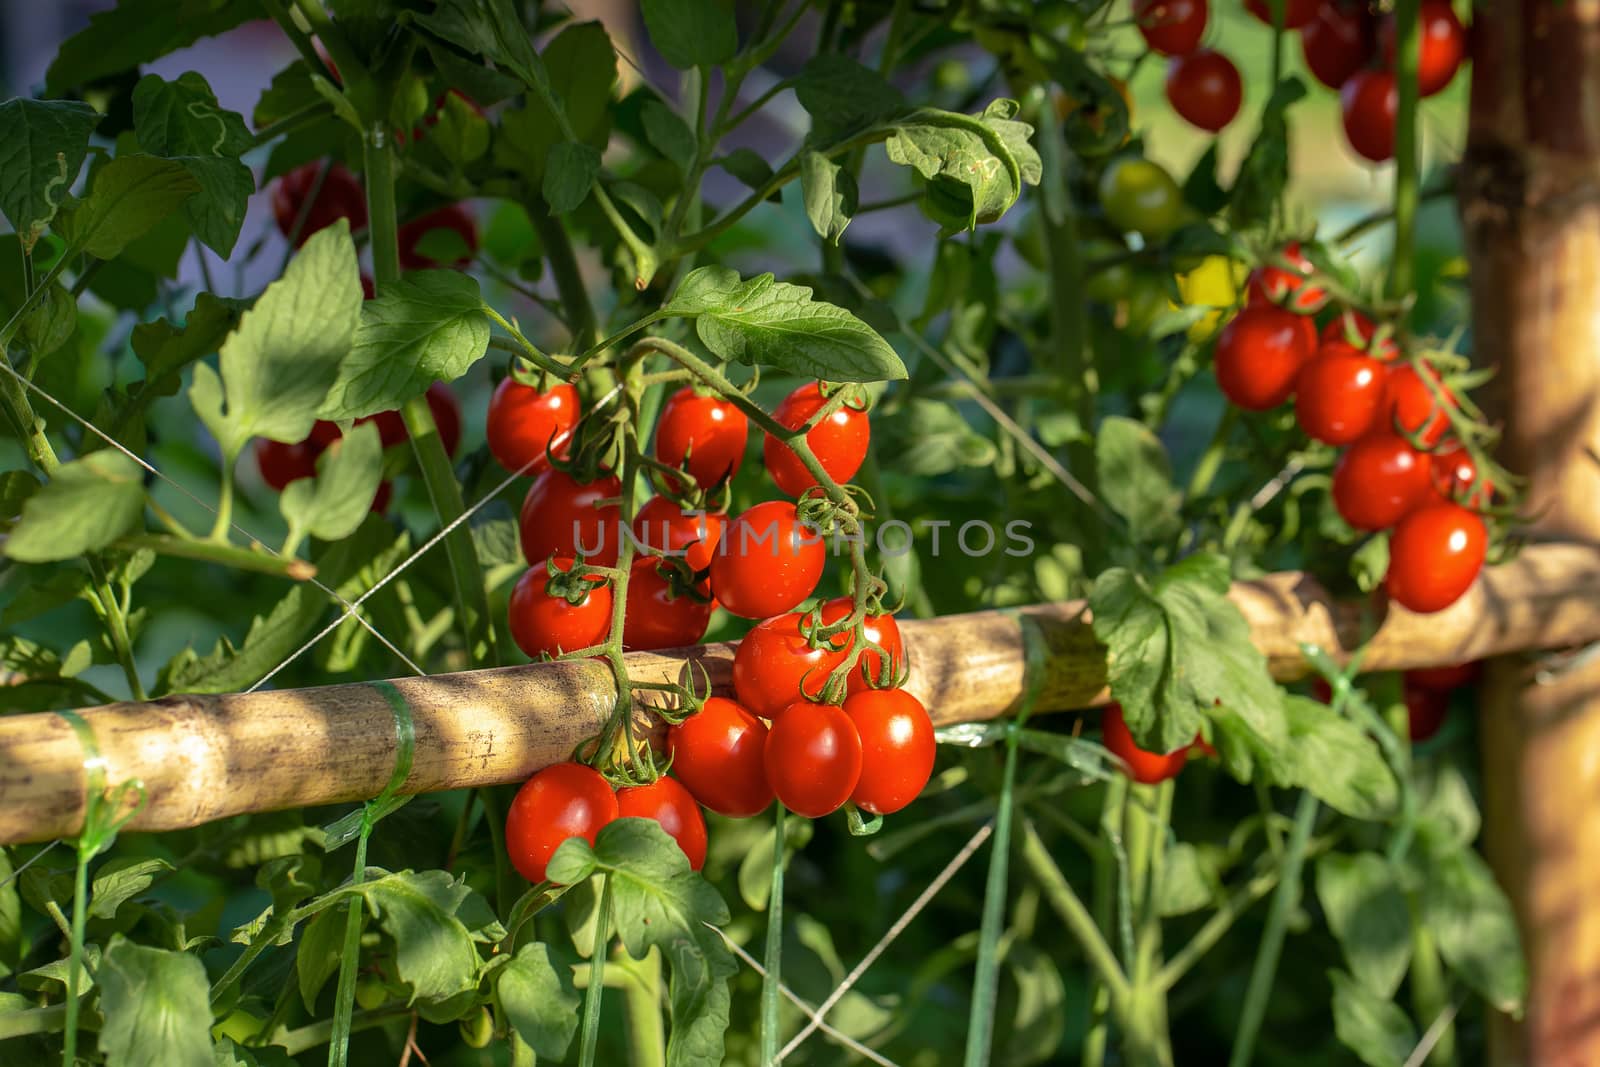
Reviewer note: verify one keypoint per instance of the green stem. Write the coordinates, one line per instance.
(1068, 312)
(219, 529)
(1428, 992)
(527, 347)
(34, 441)
(349, 963)
(597, 966)
(116, 622)
(641, 1004)
(383, 226)
(1144, 1020)
(985, 984)
(772, 960)
(227, 555)
(1402, 270)
(569, 280)
(1205, 471)
(80, 900)
(32, 1021)
(1059, 894)
(1112, 808)
(1284, 902)
(291, 122)
(308, 1037)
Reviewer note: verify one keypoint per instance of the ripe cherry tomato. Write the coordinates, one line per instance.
(523, 423)
(1171, 27)
(1258, 355)
(450, 217)
(1143, 766)
(767, 561)
(341, 197)
(561, 517)
(882, 630)
(1412, 405)
(1354, 328)
(655, 617)
(1435, 554)
(1426, 710)
(562, 801)
(668, 803)
(1444, 679)
(1443, 43)
(774, 660)
(281, 464)
(1296, 13)
(662, 528)
(897, 749)
(813, 758)
(543, 623)
(1339, 41)
(1379, 480)
(1204, 88)
(1455, 475)
(1139, 196)
(709, 431)
(839, 441)
(1339, 394)
(1272, 284)
(1370, 103)
(718, 754)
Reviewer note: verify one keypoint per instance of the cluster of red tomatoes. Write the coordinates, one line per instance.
(1342, 41)
(1400, 470)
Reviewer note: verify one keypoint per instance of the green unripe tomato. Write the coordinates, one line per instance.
(1146, 298)
(478, 1030)
(1106, 284)
(952, 76)
(371, 993)
(1061, 23)
(1139, 196)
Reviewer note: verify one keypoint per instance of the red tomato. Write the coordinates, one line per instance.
(655, 617)
(562, 801)
(523, 423)
(369, 288)
(718, 754)
(1143, 766)
(1370, 102)
(813, 758)
(1445, 679)
(281, 464)
(543, 623)
(450, 217)
(897, 749)
(767, 561)
(707, 430)
(1455, 475)
(662, 528)
(668, 803)
(839, 442)
(1435, 554)
(1426, 711)
(1412, 405)
(1258, 355)
(882, 630)
(1204, 88)
(562, 517)
(1272, 284)
(1339, 394)
(341, 197)
(1354, 328)
(1171, 27)
(1443, 43)
(773, 661)
(1379, 480)
(1296, 13)
(1339, 41)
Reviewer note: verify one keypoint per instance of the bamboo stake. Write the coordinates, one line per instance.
(203, 758)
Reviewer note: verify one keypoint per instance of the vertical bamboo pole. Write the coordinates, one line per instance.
(1530, 205)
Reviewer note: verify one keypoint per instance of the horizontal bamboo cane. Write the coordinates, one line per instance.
(203, 758)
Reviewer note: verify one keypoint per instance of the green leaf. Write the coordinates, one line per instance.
(755, 868)
(120, 880)
(1372, 1027)
(127, 198)
(1136, 478)
(830, 195)
(461, 133)
(434, 952)
(137, 31)
(42, 145)
(156, 1005)
(216, 212)
(569, 174)
(747, 166)
(86, 505)
(165, 349)
(429, 326)
(182, 118)
(581, 70)
(493, 29)
(11, 943)
(658, 902)
(926, 438)
(317, 957)
(1264, 172)
(1200, 188)
(692, 33)
(975, 165)
(765, 322)
(331, 505)
(278, 366)
(668, 134)
(1337, 761)
(843, 97)
(51, 322)
(1189, 881)
(1367, 912)
(1446, 810)
(539, 1000)
(1473, 923)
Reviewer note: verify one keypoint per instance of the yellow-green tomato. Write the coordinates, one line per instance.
(478, 1030)
(1139, 196)
(371, 993)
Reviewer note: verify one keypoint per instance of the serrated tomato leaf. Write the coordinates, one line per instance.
(539, 1000)
(157, 1007)
(42, 145)
(1366, 909)
(86, 505)
(127, 198)
(331, 505)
